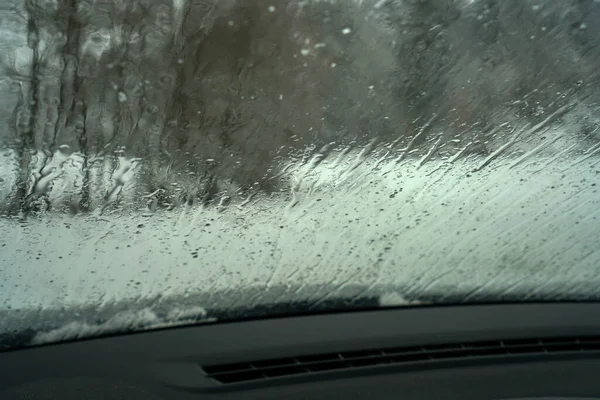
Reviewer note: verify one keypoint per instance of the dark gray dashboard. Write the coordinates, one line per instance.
(513, 351)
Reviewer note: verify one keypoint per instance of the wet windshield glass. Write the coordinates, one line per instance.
(173, 161)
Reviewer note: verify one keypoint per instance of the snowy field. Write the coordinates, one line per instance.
(524, 226)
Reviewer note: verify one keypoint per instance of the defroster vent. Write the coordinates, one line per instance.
(344, 360)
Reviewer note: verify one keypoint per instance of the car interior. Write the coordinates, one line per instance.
(485, 351)
(299, 199)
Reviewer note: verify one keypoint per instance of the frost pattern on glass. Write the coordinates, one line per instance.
(248, 152)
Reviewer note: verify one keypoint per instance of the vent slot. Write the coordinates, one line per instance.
(301, 365)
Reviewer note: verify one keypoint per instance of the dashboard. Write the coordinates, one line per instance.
(496, 352)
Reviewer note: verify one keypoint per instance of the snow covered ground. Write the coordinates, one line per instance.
(523, 226)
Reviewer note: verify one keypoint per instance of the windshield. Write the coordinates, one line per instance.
(167, 162)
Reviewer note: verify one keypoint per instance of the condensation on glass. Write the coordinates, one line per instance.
(229, 154)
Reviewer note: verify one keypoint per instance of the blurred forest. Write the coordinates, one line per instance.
(218, 95)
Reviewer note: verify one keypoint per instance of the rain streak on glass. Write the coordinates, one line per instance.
(228, 153)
